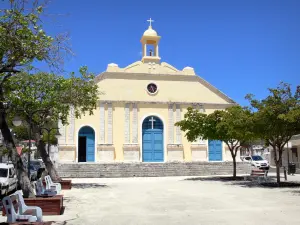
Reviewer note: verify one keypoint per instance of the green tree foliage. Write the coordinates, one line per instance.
(51, 96)
(233, 126)
(23, 41)
(277, 118)
(44, 98)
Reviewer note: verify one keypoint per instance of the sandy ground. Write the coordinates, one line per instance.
(175, 200)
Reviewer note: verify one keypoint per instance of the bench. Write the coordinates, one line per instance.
(259, 174)
(66, 184)
(51, 205)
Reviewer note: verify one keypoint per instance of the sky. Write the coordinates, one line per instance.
(239, 46)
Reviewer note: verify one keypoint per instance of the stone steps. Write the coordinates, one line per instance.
(86, 170)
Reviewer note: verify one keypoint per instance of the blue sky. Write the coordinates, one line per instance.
(239, 46)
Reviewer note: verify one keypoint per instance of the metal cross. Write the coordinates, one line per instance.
(150, 21)
(152, 120)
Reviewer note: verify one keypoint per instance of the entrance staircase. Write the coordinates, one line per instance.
(98, 170)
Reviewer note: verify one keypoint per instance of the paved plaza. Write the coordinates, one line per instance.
(175, 200)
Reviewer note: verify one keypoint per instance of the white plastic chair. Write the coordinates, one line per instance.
(52, 186)
(11, 206)
(40, 190)
(37, 211)
(33, 185)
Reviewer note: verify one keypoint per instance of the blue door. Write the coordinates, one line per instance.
(86, 145)
(153, 143)
(215, 150)
(90, 148)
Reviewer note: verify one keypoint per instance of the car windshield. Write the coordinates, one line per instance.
(257, 158)
(36, 163)
(3, 172)
(32, 167)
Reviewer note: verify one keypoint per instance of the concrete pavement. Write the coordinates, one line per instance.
(174, 200)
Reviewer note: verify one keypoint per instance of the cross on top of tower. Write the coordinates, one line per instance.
(150, 21)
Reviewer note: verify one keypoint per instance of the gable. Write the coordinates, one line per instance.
(179, 88)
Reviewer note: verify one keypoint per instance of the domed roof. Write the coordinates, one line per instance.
(150, 32)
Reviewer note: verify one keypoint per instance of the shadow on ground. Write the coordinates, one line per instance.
(88, 185)
(223, 179)
(248, 182)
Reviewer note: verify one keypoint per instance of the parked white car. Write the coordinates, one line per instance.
(257, 161)
(8, 178)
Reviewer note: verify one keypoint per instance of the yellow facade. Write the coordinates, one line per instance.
(126, 102)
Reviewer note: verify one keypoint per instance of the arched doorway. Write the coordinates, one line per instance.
(86, 144)
(153, 142)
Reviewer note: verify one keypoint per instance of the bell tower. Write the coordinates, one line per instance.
(150, 41)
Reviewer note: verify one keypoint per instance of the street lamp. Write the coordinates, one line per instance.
(57, 135)
(17, 121)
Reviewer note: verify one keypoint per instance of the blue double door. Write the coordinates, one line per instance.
(86, 145)
(153, 143)
(214, 150)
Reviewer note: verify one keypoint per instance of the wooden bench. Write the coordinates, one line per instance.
(49, 205)
(260, 174)
(66, 184)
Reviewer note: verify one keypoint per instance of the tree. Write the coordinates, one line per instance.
(23, 41)
(232, 126)
(45, 98)
(277, 119)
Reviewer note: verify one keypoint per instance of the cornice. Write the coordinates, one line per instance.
(168, 102)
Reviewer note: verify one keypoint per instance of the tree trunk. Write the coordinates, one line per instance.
(278, 171)
(234, 166)
(46, 159)
(233, 155)
(22, 174)
(278, 164)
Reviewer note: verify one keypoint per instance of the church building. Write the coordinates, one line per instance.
(135, 116)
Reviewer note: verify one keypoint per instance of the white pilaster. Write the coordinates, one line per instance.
(134, 123)
(102, 123)
(127, 123)
(171, 124)
(71, 125)
(109, 123)
(62, 131)
(178, 118)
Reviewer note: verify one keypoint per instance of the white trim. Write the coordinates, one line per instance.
(102, 123)
(134, 124)
(164, 132)
(110, 124)
(178, 136)
(77, 136)
(127, 122)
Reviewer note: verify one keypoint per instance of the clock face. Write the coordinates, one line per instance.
(152, 88)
